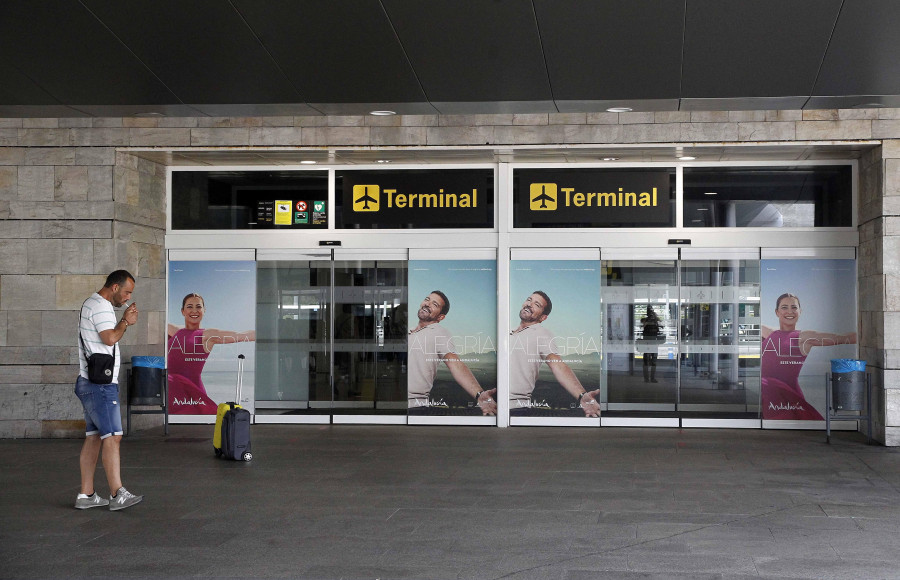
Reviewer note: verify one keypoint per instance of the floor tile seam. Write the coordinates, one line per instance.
(650, 541)
(877, 474)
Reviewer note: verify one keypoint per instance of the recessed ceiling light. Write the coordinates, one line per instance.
(702, 209)
(711, 193)
(610, 158)
(619, 110)
(384, 161)
(382, 113)
(149, 114)
(686, 158)
(696, 221)
(308, 162)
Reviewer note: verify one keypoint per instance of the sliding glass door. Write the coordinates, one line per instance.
(331, 337)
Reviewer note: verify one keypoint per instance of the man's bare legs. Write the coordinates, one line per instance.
(90, 452)
(112, 463)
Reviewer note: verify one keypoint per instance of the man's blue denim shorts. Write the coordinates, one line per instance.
(101, 407)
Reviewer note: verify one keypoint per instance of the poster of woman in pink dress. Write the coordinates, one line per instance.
(211, 321)
(188, 348)
(789, 384)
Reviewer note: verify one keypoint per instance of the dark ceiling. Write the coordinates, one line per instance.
(64, 58)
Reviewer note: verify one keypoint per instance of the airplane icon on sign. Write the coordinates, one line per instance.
(541, 198)
(362, 202)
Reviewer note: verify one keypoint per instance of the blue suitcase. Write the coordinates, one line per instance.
(231, 438)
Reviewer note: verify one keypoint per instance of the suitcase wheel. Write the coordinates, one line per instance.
(218, 452)
(247, 456)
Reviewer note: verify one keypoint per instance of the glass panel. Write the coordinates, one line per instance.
(720, 338)
(640, 345)
(292, 337)
(771, 197)
(370, 304)
(240, 200)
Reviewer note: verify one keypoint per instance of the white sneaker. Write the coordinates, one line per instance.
(123, 499)
(83, 502)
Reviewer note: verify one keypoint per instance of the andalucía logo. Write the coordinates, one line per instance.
(186, 401)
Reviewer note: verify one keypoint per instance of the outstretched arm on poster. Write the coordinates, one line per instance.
(812, 338)
(587, 400)
(214, 336)
(464, 377)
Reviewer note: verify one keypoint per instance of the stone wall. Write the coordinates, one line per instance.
(74, 206)
(70, 216)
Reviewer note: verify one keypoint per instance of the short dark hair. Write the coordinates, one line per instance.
(549, 304)
(446, 300)
(118, 277)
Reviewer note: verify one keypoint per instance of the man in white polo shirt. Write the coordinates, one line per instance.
(99, 331)
(530, 346)
(429, 345)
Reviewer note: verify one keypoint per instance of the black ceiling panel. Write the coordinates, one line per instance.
(335, 52)
(17, 89)
(761, 48)
(864, 55)
(72, 56)
(473, 50)
(201, 49)
(347, 57)
(612, 49)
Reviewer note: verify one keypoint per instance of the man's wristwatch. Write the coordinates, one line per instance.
(478, 395)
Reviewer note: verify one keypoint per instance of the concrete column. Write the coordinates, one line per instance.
(890, 277)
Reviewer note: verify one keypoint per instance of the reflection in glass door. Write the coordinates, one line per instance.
(681, 338)
(370, 305)
(640, 310)
(293, 314)
(719, 337)
(331, 338)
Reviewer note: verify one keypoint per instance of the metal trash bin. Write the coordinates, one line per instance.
(848, 384)
(148, 376)
(147, 386)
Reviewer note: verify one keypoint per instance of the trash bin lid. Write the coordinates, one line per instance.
(847, 365)
(153, 362)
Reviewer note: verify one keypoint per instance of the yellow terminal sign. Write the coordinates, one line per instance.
(543, 196)
(366, 197)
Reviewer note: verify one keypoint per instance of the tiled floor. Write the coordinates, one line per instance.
(441, 502)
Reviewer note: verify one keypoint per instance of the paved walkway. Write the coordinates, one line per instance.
(361, 502)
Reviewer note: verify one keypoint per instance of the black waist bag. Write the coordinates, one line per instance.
(100, 365)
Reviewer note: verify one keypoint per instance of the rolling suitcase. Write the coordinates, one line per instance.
(231, 438)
